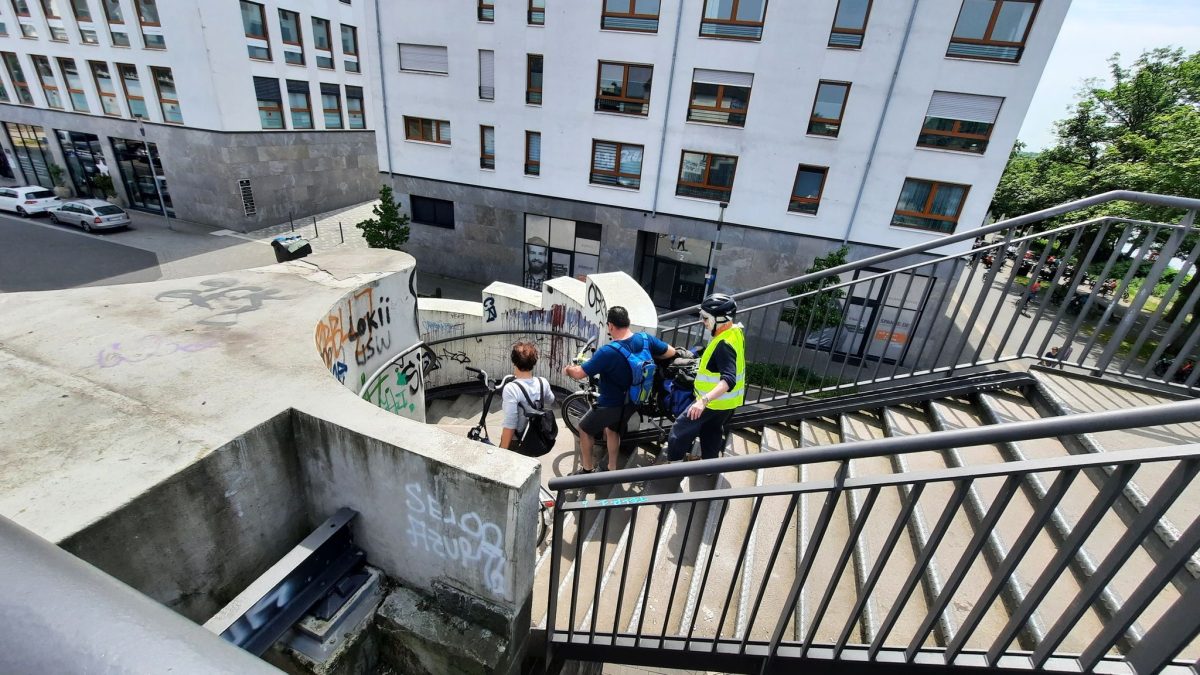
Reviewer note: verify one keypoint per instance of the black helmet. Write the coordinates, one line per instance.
(719, 304)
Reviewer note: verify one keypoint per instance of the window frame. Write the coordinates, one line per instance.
(137, 6)
(645, 103)
(532, 10)
(433, 202)
(632, 15)
(75, 7)
(265, 37)
(435, 127)
(718, 109)
(482, 7)
(955, 132)
(484, 155)
(162, 100)
(860, 32)
(317, 48)
(17, 9)
(299, 32)
(813, 119)
(108, 18)
(985, 41)
(616, 171)
(535, 164)
(326, 111)
(47, 5)
(100, 90)
(67, 82)
(312, 123)
(761, 24)
(927, 214)
(353, 33)
(39, 61)
(795, 203)
(529, 89)
(708, 164)
(129, 98)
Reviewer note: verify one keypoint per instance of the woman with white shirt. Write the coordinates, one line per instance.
(524, 359)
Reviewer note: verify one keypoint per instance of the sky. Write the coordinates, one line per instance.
(1093, 30)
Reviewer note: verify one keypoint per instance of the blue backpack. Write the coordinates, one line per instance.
(641, 366)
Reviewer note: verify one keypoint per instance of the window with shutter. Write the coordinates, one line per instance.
(720, 97)
(961, 122)
(424, 59)
(487, 147)
(270, 103)
(616, 164)
(533, 153)
(487, 74)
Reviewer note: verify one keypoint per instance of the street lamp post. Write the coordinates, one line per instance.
(162, 205)
(710, 278)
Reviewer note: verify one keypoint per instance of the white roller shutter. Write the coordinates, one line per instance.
(424, 58)
(964, 107)
(487, 73)
(723, 77)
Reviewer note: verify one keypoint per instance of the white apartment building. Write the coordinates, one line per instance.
(559, 137)
(252, 111)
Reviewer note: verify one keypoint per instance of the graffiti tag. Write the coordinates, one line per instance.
(224, 295)
(148, 347)
(489, 306)
(465, 538)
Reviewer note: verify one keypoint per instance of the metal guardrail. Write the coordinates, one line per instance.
(759, 643)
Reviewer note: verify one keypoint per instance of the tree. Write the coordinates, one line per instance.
(822, 309)
(389, 227)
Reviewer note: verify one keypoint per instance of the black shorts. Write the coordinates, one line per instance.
(598, 419)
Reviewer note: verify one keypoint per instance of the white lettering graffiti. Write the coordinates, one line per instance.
(466, 538)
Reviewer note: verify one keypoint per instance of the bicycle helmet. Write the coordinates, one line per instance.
(719, 305)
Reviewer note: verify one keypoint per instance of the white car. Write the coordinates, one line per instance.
(90, 214)
(28, 200)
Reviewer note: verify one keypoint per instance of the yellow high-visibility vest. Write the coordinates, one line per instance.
(707, 381)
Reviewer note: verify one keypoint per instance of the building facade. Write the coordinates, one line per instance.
(547, 138)
(239, 114)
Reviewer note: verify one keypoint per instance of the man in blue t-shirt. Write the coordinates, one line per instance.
(612, 410)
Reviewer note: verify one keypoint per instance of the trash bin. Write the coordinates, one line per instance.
(290, 247)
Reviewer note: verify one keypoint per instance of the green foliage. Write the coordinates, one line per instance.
(389, 227)
(824, 308)
(782, 379)
(56, 174)
(104, 183)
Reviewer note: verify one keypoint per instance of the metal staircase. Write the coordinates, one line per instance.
(907, 488)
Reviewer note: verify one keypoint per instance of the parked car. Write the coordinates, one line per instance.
(90, 214)
(28, 200)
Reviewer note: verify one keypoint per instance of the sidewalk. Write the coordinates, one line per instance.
(324, 234)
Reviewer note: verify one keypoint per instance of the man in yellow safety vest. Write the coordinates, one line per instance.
(720, 383)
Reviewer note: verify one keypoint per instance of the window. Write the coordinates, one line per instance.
(828, 108)
(706, 176)
(58, 33)
(424, 59)
(17, 75)
(164, 84)
(736, 19)
(45, 74)
(142, 171)
(74, 84)
(633, 15)
(300, 104)
(88, 36)
(624, 88)
(355, 111)
(930, 205)
(331, 105)
(616, 164)
(720, 97)
(350, 48)
(959, 122)
(112, 12)
(430, 131)
(33, 152)
(292, 37)
(487, 10)
(270, 104)
(323, 42)
(81, 10)
(21, 7)
(29, 30)
(533, 79)
(436, 212)
(487, 147)
(133, 90)
(82, 152)
(152, 37)
(533, 153)
(254, 22)
(487, 74)
(537, 13)
(806, 191)
(850, 24)
(557, 247)
(49, 8)
(105, 87)
(993, 30)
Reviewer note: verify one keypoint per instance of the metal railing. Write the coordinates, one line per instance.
(585, 616)
(1110, 295)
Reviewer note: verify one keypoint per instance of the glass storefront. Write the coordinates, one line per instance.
(135, 169)
(85, 159)
(33, 152)
(672, 269)
(555, 247)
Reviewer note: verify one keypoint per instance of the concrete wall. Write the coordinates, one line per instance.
(196, 540)
(291, 172)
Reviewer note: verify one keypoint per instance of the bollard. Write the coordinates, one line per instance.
(316, 233)
(341, 234)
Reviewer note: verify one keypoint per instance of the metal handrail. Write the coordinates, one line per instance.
(1152, 199)
(1084, 423)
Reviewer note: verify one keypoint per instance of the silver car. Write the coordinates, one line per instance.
(90, 214)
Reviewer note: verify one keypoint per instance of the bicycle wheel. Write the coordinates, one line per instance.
(574, 407)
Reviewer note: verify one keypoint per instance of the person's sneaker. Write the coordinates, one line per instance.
(690, 457)
(581, 472)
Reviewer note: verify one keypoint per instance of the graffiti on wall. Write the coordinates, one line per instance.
(399, 388)
(489, 309)
(440, 330)
(147, 347)
(222, 300)
(359, 328)
(465, 538)
(558, 319)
